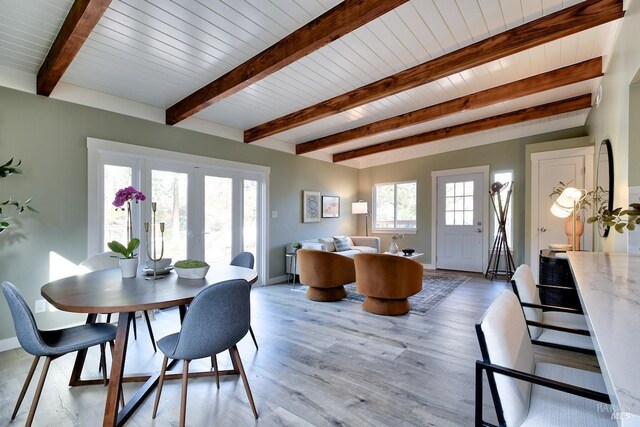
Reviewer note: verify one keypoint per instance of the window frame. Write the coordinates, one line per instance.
(395, 229)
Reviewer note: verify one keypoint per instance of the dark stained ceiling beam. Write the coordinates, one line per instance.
(333, 24)
(553, 79)
(571, 20)
(526, 114)
(80, 21)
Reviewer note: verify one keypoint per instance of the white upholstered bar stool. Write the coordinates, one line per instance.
(558, 327)
(526, 393)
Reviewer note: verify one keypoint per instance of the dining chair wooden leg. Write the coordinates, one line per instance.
(111, 344)
(103, 364)
(160, 384)
(36, 396)
(236, 355)
(183, 398)
(253, 337)
(153, 339)
(214, 363)
(27, 381)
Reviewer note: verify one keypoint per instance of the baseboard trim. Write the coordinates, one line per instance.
(9, 344)
(277, 279)
(429, 266)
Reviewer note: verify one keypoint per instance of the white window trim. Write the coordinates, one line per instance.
(493, 215)
(373, 210)
(98, 149)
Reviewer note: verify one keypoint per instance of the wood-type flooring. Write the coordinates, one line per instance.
(319, 364)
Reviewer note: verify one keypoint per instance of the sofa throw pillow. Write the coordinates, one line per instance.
(341, 243)
(329, 242)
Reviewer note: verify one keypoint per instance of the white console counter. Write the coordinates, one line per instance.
(609, 288)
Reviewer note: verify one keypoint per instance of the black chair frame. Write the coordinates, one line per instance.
(491, 369)
(576, 331)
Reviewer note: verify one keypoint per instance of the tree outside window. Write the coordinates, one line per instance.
(395, 206)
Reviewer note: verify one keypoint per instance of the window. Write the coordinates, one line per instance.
(211, 208)
(459, 203)
(395, 206)
(505, 177)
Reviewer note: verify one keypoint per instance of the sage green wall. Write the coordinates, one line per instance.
(612, 118)
(499, 156)
(49, 136)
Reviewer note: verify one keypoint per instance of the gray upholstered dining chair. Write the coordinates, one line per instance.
(103, 261)
(51, 344)
(550, 326)
(526, 393)
(245, 259)
(218, 317)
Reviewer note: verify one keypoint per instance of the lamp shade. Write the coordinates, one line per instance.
(559, 211)
(565, 203)
(359, 207)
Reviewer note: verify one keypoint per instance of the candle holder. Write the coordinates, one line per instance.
(154, 257)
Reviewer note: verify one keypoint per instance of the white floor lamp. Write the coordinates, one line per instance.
(361, 208)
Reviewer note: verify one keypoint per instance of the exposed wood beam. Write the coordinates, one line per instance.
(563, 23)
(80, 21)
(531, 113)
(553, 79)
(333, 24)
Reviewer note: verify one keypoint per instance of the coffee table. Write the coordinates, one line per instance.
(414, 255)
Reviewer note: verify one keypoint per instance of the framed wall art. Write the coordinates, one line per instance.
(311, 207)
(330, 207)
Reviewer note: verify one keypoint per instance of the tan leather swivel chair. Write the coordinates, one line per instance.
(387, 281)
(325, 273)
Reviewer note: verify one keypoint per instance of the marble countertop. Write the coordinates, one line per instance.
(609, 289)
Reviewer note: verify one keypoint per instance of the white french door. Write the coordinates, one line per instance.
(209, 212)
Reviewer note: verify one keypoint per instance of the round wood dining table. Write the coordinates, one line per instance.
(105, 291)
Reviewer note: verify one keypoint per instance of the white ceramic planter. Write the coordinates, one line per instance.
(129, 267)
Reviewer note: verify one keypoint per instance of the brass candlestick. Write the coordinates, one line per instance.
(154, 258)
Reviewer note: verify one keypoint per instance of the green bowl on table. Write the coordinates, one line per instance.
(191, 269)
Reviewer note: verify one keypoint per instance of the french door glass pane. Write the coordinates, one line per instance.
(115, 220)
(218, 216)
(250, 223)
(169, 192)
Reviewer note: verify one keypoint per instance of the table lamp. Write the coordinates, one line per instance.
(361, 208)
(567, 204)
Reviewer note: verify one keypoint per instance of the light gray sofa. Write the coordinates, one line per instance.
(361, 244)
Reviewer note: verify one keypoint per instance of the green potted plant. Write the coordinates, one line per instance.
(7, 169)
(129, 260)
(296, 246)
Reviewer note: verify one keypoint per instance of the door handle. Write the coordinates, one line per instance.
(479, 230)
(542, 229)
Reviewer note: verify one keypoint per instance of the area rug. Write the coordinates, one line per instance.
(436, 287)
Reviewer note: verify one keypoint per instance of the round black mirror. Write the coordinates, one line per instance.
(604, 183)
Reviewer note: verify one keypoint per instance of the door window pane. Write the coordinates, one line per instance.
(115, 220)
(218, 216)
(250, 223)
(459, 203)
(169, 192)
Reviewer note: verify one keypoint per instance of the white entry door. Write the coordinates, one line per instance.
(460, 225)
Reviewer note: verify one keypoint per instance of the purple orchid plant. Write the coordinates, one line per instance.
(126, 196)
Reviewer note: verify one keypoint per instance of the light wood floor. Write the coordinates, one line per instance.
(319, 364)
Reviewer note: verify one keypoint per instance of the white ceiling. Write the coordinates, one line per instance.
(158, 52)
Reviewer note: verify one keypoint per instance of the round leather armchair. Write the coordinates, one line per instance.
(387, 281)
(325, 273)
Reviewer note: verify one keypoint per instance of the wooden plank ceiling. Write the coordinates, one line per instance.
(360, 82)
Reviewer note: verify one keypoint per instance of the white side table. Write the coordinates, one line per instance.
(291, 259)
